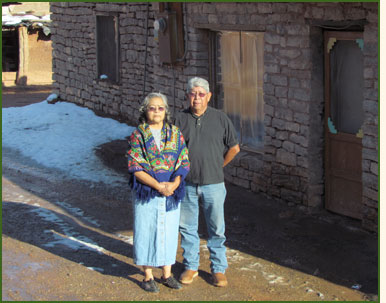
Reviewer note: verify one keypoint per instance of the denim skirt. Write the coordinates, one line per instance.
(155, 232)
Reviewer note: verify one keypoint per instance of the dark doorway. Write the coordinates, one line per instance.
(10, 50)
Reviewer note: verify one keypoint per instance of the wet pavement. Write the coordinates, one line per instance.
(66, 239)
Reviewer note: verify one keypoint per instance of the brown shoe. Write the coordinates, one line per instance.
(219, 279)
(187, 276)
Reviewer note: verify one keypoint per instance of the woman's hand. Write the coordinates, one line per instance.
(166, 189)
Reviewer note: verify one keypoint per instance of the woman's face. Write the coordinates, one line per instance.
(155, 112)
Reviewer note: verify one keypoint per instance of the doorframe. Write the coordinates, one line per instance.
(339, 35)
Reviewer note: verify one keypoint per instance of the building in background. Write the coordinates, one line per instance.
(299, 81)
(26, 44)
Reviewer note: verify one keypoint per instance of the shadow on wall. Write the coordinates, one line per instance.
(30, 88)
(22, 81)
(10, 79)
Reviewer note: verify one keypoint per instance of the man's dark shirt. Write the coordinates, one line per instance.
(207, 137)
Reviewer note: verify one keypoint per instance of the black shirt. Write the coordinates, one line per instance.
(208, 137)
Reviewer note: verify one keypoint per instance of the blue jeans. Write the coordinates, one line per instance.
(213, 198)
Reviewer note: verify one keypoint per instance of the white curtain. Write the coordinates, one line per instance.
(242, 70)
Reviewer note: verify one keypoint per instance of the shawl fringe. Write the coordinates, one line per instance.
(144, 193)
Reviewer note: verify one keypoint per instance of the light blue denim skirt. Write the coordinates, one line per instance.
(155, 232)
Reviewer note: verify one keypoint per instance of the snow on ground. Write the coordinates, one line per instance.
(63, 136)
(70, 237)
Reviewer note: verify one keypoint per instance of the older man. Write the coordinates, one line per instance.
(212, 142)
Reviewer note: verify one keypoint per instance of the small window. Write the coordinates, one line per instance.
(346, 74)
(241, 70)
(107, 39)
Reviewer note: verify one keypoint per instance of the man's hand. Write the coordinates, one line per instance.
(231, 153)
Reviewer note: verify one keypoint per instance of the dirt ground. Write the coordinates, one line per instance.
(21, 96)
(275, 251)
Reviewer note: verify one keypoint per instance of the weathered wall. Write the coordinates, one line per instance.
(39, 58)
(370, 126)
(290, 167)
(31, 46)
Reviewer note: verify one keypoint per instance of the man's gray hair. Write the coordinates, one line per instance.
(197, 81)
(145, 104)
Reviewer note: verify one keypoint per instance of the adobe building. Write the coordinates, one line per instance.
(26, 44)
(299, 81)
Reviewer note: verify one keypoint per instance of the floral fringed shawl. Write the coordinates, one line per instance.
(164, 165)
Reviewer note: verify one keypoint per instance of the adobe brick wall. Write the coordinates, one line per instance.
(290, 167)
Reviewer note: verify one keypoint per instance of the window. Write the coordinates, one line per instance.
(346, 92)
(240, 79)
(107, 39)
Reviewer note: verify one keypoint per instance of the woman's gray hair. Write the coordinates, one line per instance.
(197, 81)
(145, 104)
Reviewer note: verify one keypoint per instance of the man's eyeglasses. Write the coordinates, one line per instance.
(192, 95)
(154, 108)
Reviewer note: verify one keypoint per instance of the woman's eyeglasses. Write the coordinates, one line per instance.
(154, 108)
(192, 95)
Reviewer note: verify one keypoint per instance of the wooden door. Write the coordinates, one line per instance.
(343, 121)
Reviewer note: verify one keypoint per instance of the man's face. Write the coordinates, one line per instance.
(199, 99)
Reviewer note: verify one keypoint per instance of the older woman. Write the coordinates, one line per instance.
(158, 163)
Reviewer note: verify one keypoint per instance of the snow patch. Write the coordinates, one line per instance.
(63, 136)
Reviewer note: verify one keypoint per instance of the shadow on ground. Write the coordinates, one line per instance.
(16, 96)
(329, 246)
(49, 234)
(322, 244)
